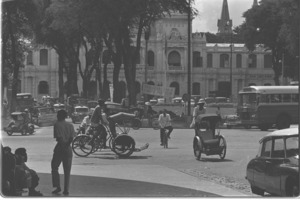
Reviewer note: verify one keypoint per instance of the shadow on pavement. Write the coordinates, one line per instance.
(86, 186)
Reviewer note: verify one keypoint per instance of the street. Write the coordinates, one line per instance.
(242, 145)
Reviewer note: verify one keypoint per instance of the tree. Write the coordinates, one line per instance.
(265, 24)
(16, 19)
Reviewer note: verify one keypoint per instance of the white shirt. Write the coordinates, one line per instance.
(164, 121)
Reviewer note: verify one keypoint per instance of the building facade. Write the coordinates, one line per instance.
(216, 69)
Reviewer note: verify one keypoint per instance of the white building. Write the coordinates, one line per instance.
(167, 64)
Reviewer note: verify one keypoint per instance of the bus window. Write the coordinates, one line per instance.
(286, 98)
(275, 98)
(247, 99)
(295, 98)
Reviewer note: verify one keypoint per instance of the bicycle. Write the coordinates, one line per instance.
(121, 144)
(165, 138)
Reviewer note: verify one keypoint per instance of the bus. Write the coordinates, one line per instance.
(265, 106)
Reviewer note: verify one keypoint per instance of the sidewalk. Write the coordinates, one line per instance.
(131, 181)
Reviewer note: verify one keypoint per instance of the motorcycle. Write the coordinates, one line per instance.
(19, 124)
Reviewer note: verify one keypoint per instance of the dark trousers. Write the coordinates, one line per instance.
(169, 128)
(61, 155)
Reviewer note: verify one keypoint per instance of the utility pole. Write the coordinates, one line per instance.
(189, 60)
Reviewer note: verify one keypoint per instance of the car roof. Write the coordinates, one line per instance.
(16, 113)
(81, 107)
(281, 133)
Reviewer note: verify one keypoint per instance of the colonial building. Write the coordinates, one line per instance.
(215, 68)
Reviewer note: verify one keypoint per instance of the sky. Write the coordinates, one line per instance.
(209, 11)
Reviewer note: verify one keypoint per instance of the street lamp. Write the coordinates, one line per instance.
(230, 61)
(189, 59)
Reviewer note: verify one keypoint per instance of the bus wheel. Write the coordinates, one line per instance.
(264, 127)
(283, 121)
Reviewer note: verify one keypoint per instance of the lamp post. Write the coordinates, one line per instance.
(230, 61)
(147, 36)
(189, 59)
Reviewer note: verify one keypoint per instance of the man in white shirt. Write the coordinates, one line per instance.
(164, 120)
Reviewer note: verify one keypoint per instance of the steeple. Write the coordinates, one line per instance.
(255, 3)
(225, 23)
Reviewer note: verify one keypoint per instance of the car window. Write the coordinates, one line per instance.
(266, 150)
(292, 147)
(278, 150)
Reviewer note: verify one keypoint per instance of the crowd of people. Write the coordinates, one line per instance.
(18, 176)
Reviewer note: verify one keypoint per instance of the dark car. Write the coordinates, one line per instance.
(275, 169)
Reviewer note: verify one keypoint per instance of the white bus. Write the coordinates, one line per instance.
(265, 106)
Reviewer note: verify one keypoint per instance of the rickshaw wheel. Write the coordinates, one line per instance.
(136, 124)
(82, 145)
(123, 145)
(9, 133)
(197, 148)
(223, 145)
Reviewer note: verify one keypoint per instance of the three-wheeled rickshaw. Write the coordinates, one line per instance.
(20, 123)
(208, 139)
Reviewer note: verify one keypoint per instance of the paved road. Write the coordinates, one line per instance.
(153, 172)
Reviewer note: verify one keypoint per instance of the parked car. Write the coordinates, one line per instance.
(177, 100)
(79, 113)
(275, 169)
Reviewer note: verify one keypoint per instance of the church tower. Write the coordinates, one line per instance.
(255, 3)
(225, 23)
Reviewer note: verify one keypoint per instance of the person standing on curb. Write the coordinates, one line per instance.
(63, 133)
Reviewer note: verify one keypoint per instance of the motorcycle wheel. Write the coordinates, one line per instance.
(9, 133)
(123, 145)
(23, 131)
(136, 124)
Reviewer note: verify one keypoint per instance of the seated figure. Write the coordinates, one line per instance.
(25, 177)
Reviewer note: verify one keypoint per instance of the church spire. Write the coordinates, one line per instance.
(225, 23)
(255, 3)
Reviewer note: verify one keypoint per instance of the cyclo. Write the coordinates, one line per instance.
(120, 143)
(207, 138)
(20, 123)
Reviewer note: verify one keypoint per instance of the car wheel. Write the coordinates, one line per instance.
(283, 121)
(264, 127)
(292, 188)
(23, 131)
(136, 124)
(256, 190)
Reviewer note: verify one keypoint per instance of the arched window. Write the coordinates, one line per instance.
(43, 57)
(176, 86)
(251, 84)
(267, 84)
(43, 87)
(209, 60)
(196, 89)
(252, 61)
(150, 83)
(224, 60)
(29, 58)
(267, 61)
(150, 58)
(197, 59)
(174, 59)
(238, 61)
